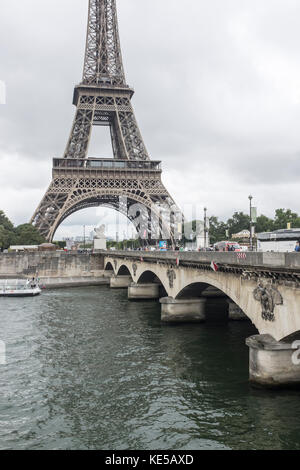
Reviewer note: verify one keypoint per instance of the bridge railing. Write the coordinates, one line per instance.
(285, 261)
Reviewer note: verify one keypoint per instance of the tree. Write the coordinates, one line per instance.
(27, 234)
(264, 224)
(285, 216)
(5, 222)
(60, 244)
(7, 235)
(238, 222)
(7, 238)
(217, 230)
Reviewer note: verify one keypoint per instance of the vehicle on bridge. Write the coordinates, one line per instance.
(227, 246)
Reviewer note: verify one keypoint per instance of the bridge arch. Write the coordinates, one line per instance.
(124, 271)
(108, 266)
(211, 281)
(150, 277)
(219, 306)
(200, 289)
(204, 281)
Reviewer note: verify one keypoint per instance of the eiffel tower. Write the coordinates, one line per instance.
(130, 182)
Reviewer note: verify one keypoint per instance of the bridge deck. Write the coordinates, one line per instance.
(277, 262)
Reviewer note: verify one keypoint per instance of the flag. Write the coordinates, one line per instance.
(214, 266)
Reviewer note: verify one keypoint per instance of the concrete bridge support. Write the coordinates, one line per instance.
(120, 282)
(235, 313)
(143, 291)
(182, 310)
(264, 287)
(273, 364)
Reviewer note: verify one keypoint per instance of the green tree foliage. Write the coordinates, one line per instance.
(22, 235)
(264, 224)
(28, 235)
(238, 222)
(5, 222)
(285, 216)
(7, 238)
(217, 230)
(60, 244)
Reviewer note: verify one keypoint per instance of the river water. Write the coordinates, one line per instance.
(86, 369)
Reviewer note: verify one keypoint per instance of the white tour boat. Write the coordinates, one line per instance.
(19, 288)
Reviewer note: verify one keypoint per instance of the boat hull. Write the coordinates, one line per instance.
(26, 293)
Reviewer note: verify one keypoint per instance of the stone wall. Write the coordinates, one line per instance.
(50, 265)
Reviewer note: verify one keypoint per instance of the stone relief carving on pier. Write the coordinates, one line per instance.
(134, 267)
(171, 276)
(269, 297)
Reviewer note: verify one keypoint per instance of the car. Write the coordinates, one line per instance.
(227, 246)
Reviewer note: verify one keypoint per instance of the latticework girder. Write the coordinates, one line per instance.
(103, 59)
(104, 98)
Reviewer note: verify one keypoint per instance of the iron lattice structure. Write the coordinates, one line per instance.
(128, 180)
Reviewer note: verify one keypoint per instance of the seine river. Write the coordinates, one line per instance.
(86, 369)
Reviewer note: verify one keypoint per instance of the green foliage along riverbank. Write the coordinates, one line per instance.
(24, 234)
(240, 221)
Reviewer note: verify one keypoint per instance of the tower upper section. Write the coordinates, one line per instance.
(103, 63)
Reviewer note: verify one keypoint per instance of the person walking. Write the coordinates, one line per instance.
(297, 247)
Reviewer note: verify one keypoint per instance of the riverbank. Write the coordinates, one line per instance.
(60, 282)
(55, 269)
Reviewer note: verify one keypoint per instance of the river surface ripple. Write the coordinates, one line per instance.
(86, 369)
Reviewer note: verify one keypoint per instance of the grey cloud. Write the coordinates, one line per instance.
(217, 93)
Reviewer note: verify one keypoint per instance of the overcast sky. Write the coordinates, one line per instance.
(217, 99)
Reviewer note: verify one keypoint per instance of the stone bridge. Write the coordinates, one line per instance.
(261, 287)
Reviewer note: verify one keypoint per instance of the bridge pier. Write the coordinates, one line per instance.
(273, 364)
(235, 313)
(143, 291)
(182, 310)
(120, 282)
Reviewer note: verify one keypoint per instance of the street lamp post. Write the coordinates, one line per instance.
(251, 237)
(205, 228)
